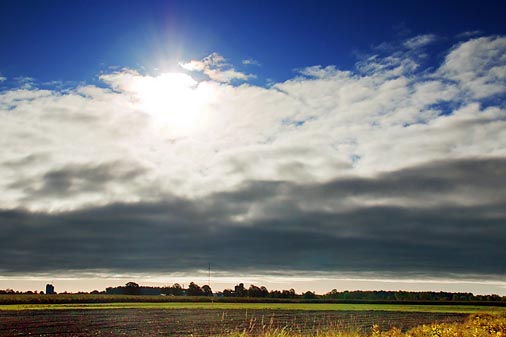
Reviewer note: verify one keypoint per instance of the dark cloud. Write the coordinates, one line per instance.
(25, 161)
(278, 226)
(76, 179)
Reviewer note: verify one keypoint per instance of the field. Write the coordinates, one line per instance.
(211, 319)
(202, 322)
(462, 309)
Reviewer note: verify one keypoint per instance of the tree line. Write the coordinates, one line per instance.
(132, 288)
(253, 291)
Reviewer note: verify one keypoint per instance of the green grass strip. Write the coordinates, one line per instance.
(258, 306)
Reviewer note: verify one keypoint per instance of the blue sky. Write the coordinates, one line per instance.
(313, 145)
(74, 41)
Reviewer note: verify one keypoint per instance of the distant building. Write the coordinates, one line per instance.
(49, 289)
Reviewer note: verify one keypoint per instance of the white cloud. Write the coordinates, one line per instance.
(478, 66)
(393, 65)
(25, 82)
(323, 124)
(194, 65)
(320, 72)
(216, 68)
(469, 34)
(227, 75)
(131, 81)
(2, 78)
(420, 41)
(251, 62)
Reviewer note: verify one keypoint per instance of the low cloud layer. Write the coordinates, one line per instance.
(404, 221)
(391, 167)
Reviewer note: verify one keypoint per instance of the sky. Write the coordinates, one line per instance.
(310, 145)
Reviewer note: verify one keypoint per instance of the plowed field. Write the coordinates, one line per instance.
(198, 322)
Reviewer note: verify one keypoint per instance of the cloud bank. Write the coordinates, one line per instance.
(390, 167)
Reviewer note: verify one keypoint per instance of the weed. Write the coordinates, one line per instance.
(479, 325)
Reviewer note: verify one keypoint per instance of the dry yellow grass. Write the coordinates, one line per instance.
(479, 325)
(475, 326)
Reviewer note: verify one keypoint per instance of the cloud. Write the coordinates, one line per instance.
(319, 71)
(251, 62)
(3, 78)
(420, 41)
(478, 66)
(217, 69)
(78, 181)
(469, 34)
(25, 82)
(388, 166)
(284, 226)
(406, 57)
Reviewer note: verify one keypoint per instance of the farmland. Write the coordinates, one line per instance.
(462, 309)
(203, 322)
(210, 319)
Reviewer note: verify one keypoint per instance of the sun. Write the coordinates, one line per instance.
(173, 100)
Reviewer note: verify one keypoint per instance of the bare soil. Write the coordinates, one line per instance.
(197, 322)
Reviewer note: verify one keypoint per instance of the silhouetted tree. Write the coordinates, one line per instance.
(228, 293)
(207, 290)
(194, 290)
(177, 290)
(132, 288)
(308, 295)
(239, 290)
(255, 291)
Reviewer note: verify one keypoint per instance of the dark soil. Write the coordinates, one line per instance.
(197, 322)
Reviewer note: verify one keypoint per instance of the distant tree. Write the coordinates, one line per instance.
(333, 294)
(177, 290)
(207, 290)
(132, 288)
(309, 295)
(288, 294)
(264, 291)
(228, 293)
(275, 294)
(254, 291)
(239, 290)
(194, 290)
(493, 297)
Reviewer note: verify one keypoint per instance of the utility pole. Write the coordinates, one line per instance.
(209, 275)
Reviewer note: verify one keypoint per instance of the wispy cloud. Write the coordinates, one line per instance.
(25, 82)
(420, 41)
(250, 62)
(216, 67)
(469, 34)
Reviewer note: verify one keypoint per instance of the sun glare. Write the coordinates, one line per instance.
(174, 100)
